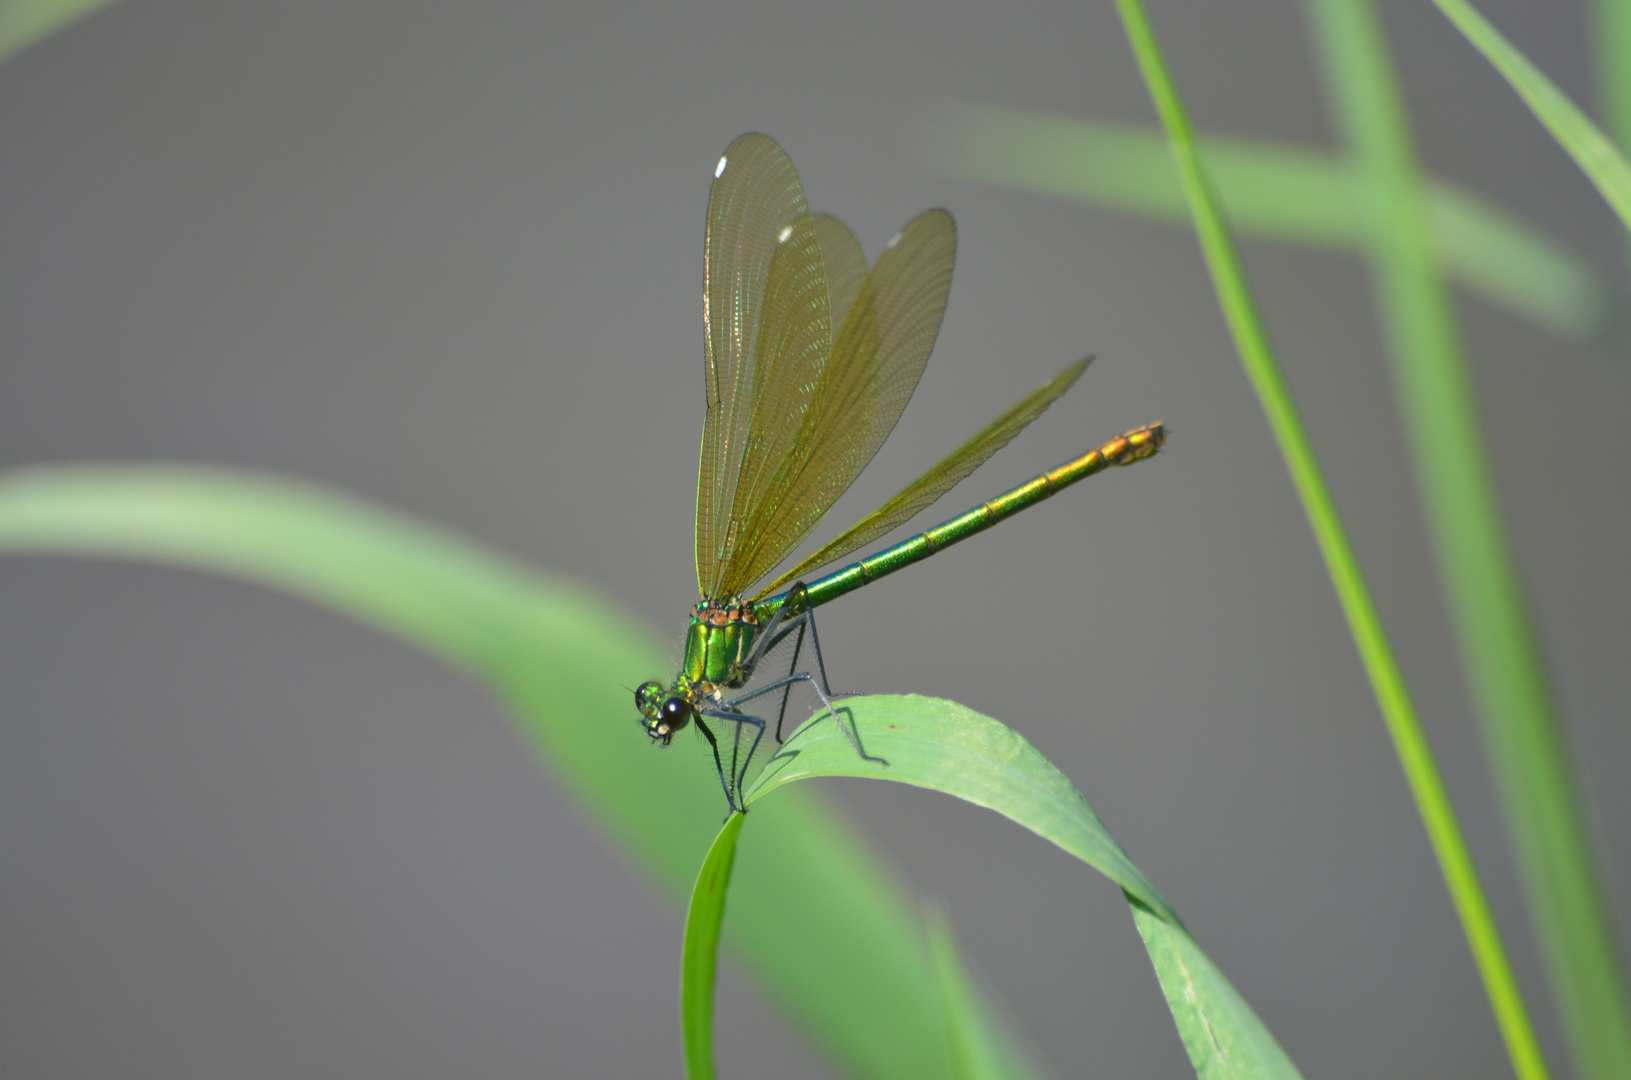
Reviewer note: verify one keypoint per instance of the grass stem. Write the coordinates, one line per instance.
(1415, 756)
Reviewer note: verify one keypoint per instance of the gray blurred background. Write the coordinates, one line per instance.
(448, 256)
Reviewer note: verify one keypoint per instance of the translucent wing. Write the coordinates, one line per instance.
(845, 264)
(877, 360)
(768, 333)
(923, 491)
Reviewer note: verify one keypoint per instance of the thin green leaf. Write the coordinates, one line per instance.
(699, 958)
(24, 22)
(561, 658)
(1225, 1039)
(1611, 64)
(1593, 151)
(1501, 654)
(946, 747)
(972, 1057)
(1375, 651)
(1280, 192)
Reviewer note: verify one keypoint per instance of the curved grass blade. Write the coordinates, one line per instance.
(1376, 652)
(1602, 162)
(1523, 731)
(700, 955)
(946, 747)
(921, 493)
(856, 978)
(1281, 192)
(24, 22)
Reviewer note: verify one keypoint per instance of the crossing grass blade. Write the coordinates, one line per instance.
(946, 747)
(1522, 727)
(24, 22)
(1280, 192)
(1602, 162)
(1257, 355)
(856, 979)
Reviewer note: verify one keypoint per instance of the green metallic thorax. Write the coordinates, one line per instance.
(717, 643)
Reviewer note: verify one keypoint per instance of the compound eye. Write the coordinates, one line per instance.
(647, 694)
(676, 713)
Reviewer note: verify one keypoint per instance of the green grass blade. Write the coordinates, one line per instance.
(941, 745)
(1505, 262)
(1281, 192)
(1522, 731)
(1611, 48)
(945, 747)
(699, 958)
(23, 22)
(972, 1057)
(856, 978)
(1593, 151)
(1387, 682)
(1610, 22)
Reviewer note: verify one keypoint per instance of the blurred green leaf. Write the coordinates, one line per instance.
(1279, 192)
(1610, 38)
(1593, 151)
(946, 747)
(972, 1056)
(23, 22)
(1262, 367)
(1500, 648)
(856, 976)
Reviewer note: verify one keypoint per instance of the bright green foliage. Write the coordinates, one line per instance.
(561, 660)
(811, 910)
(1393, 697)
(943, 746)
(699, 958)
(1281, 192)
(946, 747)
(23, 22)
(1225, 1039)
(1523, 733)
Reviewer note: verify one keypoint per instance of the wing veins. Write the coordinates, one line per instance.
(926, 489)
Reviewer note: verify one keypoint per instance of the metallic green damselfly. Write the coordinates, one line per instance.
(810, 359)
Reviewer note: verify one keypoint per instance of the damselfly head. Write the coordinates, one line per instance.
(661, 713)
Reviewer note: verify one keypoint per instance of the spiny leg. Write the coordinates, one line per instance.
(787, 691)
(775, 634)
(793, 608)
(807, 677)
(738, 776)
(719, 766)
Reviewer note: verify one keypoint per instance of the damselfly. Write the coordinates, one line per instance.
(810, 360)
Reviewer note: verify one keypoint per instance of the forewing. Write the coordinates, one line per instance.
(877, 359)
(768, 332)
(923, 491)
